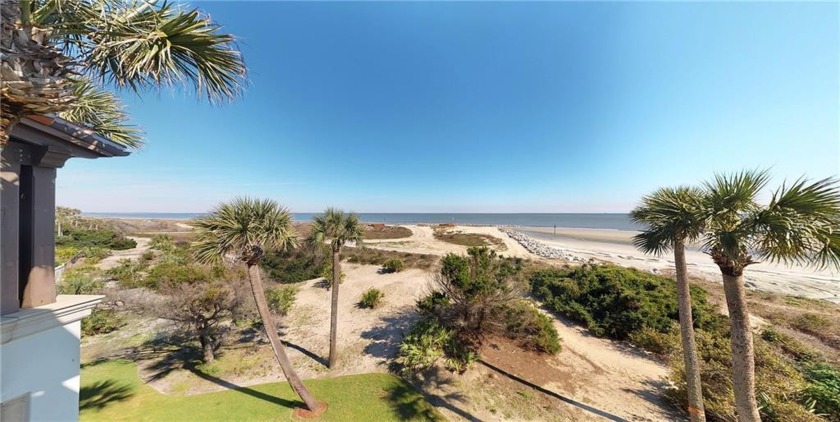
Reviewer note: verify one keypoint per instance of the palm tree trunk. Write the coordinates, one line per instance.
(336, 281)
(743, 360)
(279, 351)
(33, 73)
(696, 410)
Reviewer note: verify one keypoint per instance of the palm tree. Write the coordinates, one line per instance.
(57, 57)
(800, 225)
(673, 217)
(243, 229)
(65, 216)
(339, 228)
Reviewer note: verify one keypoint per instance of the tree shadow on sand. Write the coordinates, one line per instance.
(588, 408)
(386, 337)
(102, 393)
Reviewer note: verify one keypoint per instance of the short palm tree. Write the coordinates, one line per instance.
(672, 217)
(338, 228)
(800, 225)
(58, 56)
(242, 229)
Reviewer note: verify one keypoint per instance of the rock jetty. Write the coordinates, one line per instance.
(538, 248)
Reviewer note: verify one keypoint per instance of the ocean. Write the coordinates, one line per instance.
(576, 221)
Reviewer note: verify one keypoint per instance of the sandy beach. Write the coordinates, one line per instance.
(616, 246)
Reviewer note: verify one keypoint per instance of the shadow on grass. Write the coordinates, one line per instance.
(409, 404)
(249, 391)
(103, 393)
(599, 412)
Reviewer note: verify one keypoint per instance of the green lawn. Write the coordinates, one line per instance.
(112, 391)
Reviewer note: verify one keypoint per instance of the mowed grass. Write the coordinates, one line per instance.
(112, 391)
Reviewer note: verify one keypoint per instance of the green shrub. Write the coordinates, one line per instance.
(101, 321)
(103, 238)
(280, 299)
(371, 298)
(63, 254)
(662, 344)
(147, 257)
(823, 390)
(169, 272)
(427, 343)
(162, 242)
(95, 253)
(294, 265)
(616, 302)
(79, 283)
(128, 273)
(475, 296)
(393, 265)
(530, 328)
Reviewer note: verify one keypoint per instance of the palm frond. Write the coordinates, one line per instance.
(337, 226)
(138, 48)
(670, 216)
(102, 112)
(800, 224)
(728, 195)
(232, 227)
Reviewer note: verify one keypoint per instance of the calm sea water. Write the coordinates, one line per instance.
(581, 221)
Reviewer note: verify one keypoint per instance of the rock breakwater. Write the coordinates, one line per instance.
(538, 248)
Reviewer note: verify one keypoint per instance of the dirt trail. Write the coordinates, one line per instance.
(134, 253)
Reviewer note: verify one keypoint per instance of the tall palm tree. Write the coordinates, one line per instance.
(800, 225)
(58, 56)
(243, 229)
(339, 228)
(673, 217)
(65, 216)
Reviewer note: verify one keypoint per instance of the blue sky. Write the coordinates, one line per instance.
(486, 107)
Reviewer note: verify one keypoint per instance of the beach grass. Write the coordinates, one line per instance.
(112, 391)
(448, 235)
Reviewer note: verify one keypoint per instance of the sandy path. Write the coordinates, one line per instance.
(134, 253)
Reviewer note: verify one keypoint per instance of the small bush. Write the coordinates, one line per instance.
(281, 299)
(147, 256)
(63, 254)
(128, 274)
(79, 283)
(531, 328)
(393, 266)
(95, 253)
(371, 298)
(823, 390)
(428, 342)
(162, 242)
(172, 272)
(101, 321)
